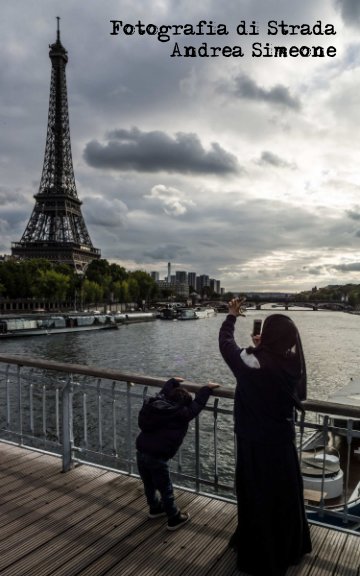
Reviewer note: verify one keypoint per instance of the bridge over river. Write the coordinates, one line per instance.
(339, 306)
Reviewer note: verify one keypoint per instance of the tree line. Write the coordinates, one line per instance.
(101, 282)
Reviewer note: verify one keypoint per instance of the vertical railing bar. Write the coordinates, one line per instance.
(19, 386)
(179, 460)
(44, 410)
(57, 414)
(114, 419)
(67, 428)
(85, 427)
(325, 436)
(7, 392)
(99, 406)
(301, 431)
(31, 407)
(129, 426)
(235, 452)
(215, 416)
(348, 441)
(197, 454)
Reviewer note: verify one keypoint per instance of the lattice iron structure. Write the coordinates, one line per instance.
(56, 229)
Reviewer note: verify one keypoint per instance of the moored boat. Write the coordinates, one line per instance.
(131, 317)
(14, 327)
(330, 465)
(204, 311)
(187, 314)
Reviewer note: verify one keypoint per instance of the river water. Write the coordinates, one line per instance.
(331, 342)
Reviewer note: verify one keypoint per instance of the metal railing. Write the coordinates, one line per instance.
(88, 414)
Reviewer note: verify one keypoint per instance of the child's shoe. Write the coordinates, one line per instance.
(157, 512)
(177, 521)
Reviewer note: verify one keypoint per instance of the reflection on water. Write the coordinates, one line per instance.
(331, 342)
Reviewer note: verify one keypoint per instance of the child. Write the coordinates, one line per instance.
(163, 421)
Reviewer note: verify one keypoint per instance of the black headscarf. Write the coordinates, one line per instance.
(281, 351)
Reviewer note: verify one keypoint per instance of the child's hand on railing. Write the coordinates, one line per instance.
(213, 385)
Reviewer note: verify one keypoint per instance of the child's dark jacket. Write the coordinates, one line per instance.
(164, 423)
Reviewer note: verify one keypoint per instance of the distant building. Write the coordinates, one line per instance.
(192, 279)
(202, 281)
(176, 288)
(181, 281)
(181, 277)
(215, 285)
(155, 276)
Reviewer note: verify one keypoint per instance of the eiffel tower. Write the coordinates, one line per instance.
(56, 229)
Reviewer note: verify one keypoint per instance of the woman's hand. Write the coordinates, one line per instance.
(237, 307)
(256, 339)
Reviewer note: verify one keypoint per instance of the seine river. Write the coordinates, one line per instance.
(331, 342)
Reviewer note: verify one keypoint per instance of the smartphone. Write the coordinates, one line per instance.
(256, 327)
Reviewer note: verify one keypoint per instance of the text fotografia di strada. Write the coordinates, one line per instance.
(170, 32)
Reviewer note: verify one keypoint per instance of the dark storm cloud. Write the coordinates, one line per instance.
(101, 211)
(168, 252)
(157, 151)
(314, 270)
(351, 267)
(350, 11)
(354, 214)
(245, 87)
(268, 157)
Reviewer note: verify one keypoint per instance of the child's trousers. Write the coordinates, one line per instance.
(155, 474)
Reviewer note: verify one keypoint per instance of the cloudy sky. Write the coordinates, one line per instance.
(243, 168)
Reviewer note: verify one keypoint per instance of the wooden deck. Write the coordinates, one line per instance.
(91, 522)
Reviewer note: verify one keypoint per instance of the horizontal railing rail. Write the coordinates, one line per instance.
(89, 414)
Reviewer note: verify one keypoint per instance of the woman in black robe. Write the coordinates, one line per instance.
(272, 532)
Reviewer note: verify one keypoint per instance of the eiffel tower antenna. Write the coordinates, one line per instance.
(56, 229)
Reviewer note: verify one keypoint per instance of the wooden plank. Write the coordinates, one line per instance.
(116, 542)
(32, 482)
(349, 560)
(171, 552)
(41, 518)
(60, 493)
(212, 536)
(52, 522)
(329, 553)
(89, 522)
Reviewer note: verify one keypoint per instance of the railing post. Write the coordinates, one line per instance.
(216, 474)
(348, 441)
(326, 437)
(129, 426)
(19, 402)
(67, 425)
(197, 454)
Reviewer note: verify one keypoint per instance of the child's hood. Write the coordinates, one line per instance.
(160, 403)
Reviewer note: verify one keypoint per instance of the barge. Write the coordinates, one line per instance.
(35, 325)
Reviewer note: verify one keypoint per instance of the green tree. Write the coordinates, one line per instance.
(92, 292)
(98, 270)
(147, 287)
(117, 273)
(52, 285)
(133, 290)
